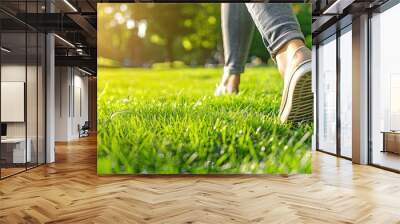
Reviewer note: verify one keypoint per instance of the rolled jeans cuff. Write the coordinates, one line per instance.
(233, 70)
(279, 42)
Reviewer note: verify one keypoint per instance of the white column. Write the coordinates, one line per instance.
(50, 99)
(360, 90)
(50, 92)
(62, 103)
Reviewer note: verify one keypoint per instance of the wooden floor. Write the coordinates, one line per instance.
(69, 191)
(5, 172)
(387, 159)
(9, 171)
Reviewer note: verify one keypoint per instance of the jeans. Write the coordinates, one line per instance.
(275, 21)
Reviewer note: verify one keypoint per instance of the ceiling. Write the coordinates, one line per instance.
(73, 21)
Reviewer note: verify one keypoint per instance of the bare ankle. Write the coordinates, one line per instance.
(232, 84)
(286, 53)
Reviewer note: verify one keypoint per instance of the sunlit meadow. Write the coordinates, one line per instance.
(167, 121)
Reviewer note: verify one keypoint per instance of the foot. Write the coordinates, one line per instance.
(229, 85)
(297, 97)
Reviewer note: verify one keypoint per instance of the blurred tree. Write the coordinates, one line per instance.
(205, 37)
(303, 12)
(144, 33)
(165, 24)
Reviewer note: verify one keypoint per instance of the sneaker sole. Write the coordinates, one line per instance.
(298, 97)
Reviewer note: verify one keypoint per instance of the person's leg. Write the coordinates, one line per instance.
(284, 40)
(237, 33)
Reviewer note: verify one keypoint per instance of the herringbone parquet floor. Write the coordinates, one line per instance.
(69, 191)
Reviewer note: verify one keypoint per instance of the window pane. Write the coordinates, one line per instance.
(41, 99)
(345, 92)
(327, 95)
(385, 83)
(15, 151)
(31, 97)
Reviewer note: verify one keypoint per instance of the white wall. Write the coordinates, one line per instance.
(14, 73)
(70, 83)
(62, 82)
(79, 117)
(33, 126)
(13, 101)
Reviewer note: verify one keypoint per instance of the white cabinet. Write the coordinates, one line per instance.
(18, 149)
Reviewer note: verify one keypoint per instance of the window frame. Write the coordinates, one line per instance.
(335, 29)
(31, 30)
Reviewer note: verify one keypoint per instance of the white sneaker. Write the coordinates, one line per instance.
(297, 97)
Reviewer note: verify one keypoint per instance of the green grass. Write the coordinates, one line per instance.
(168, 121)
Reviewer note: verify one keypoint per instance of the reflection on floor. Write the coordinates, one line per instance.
(70, 191)
(386, 159)
(8, 170)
